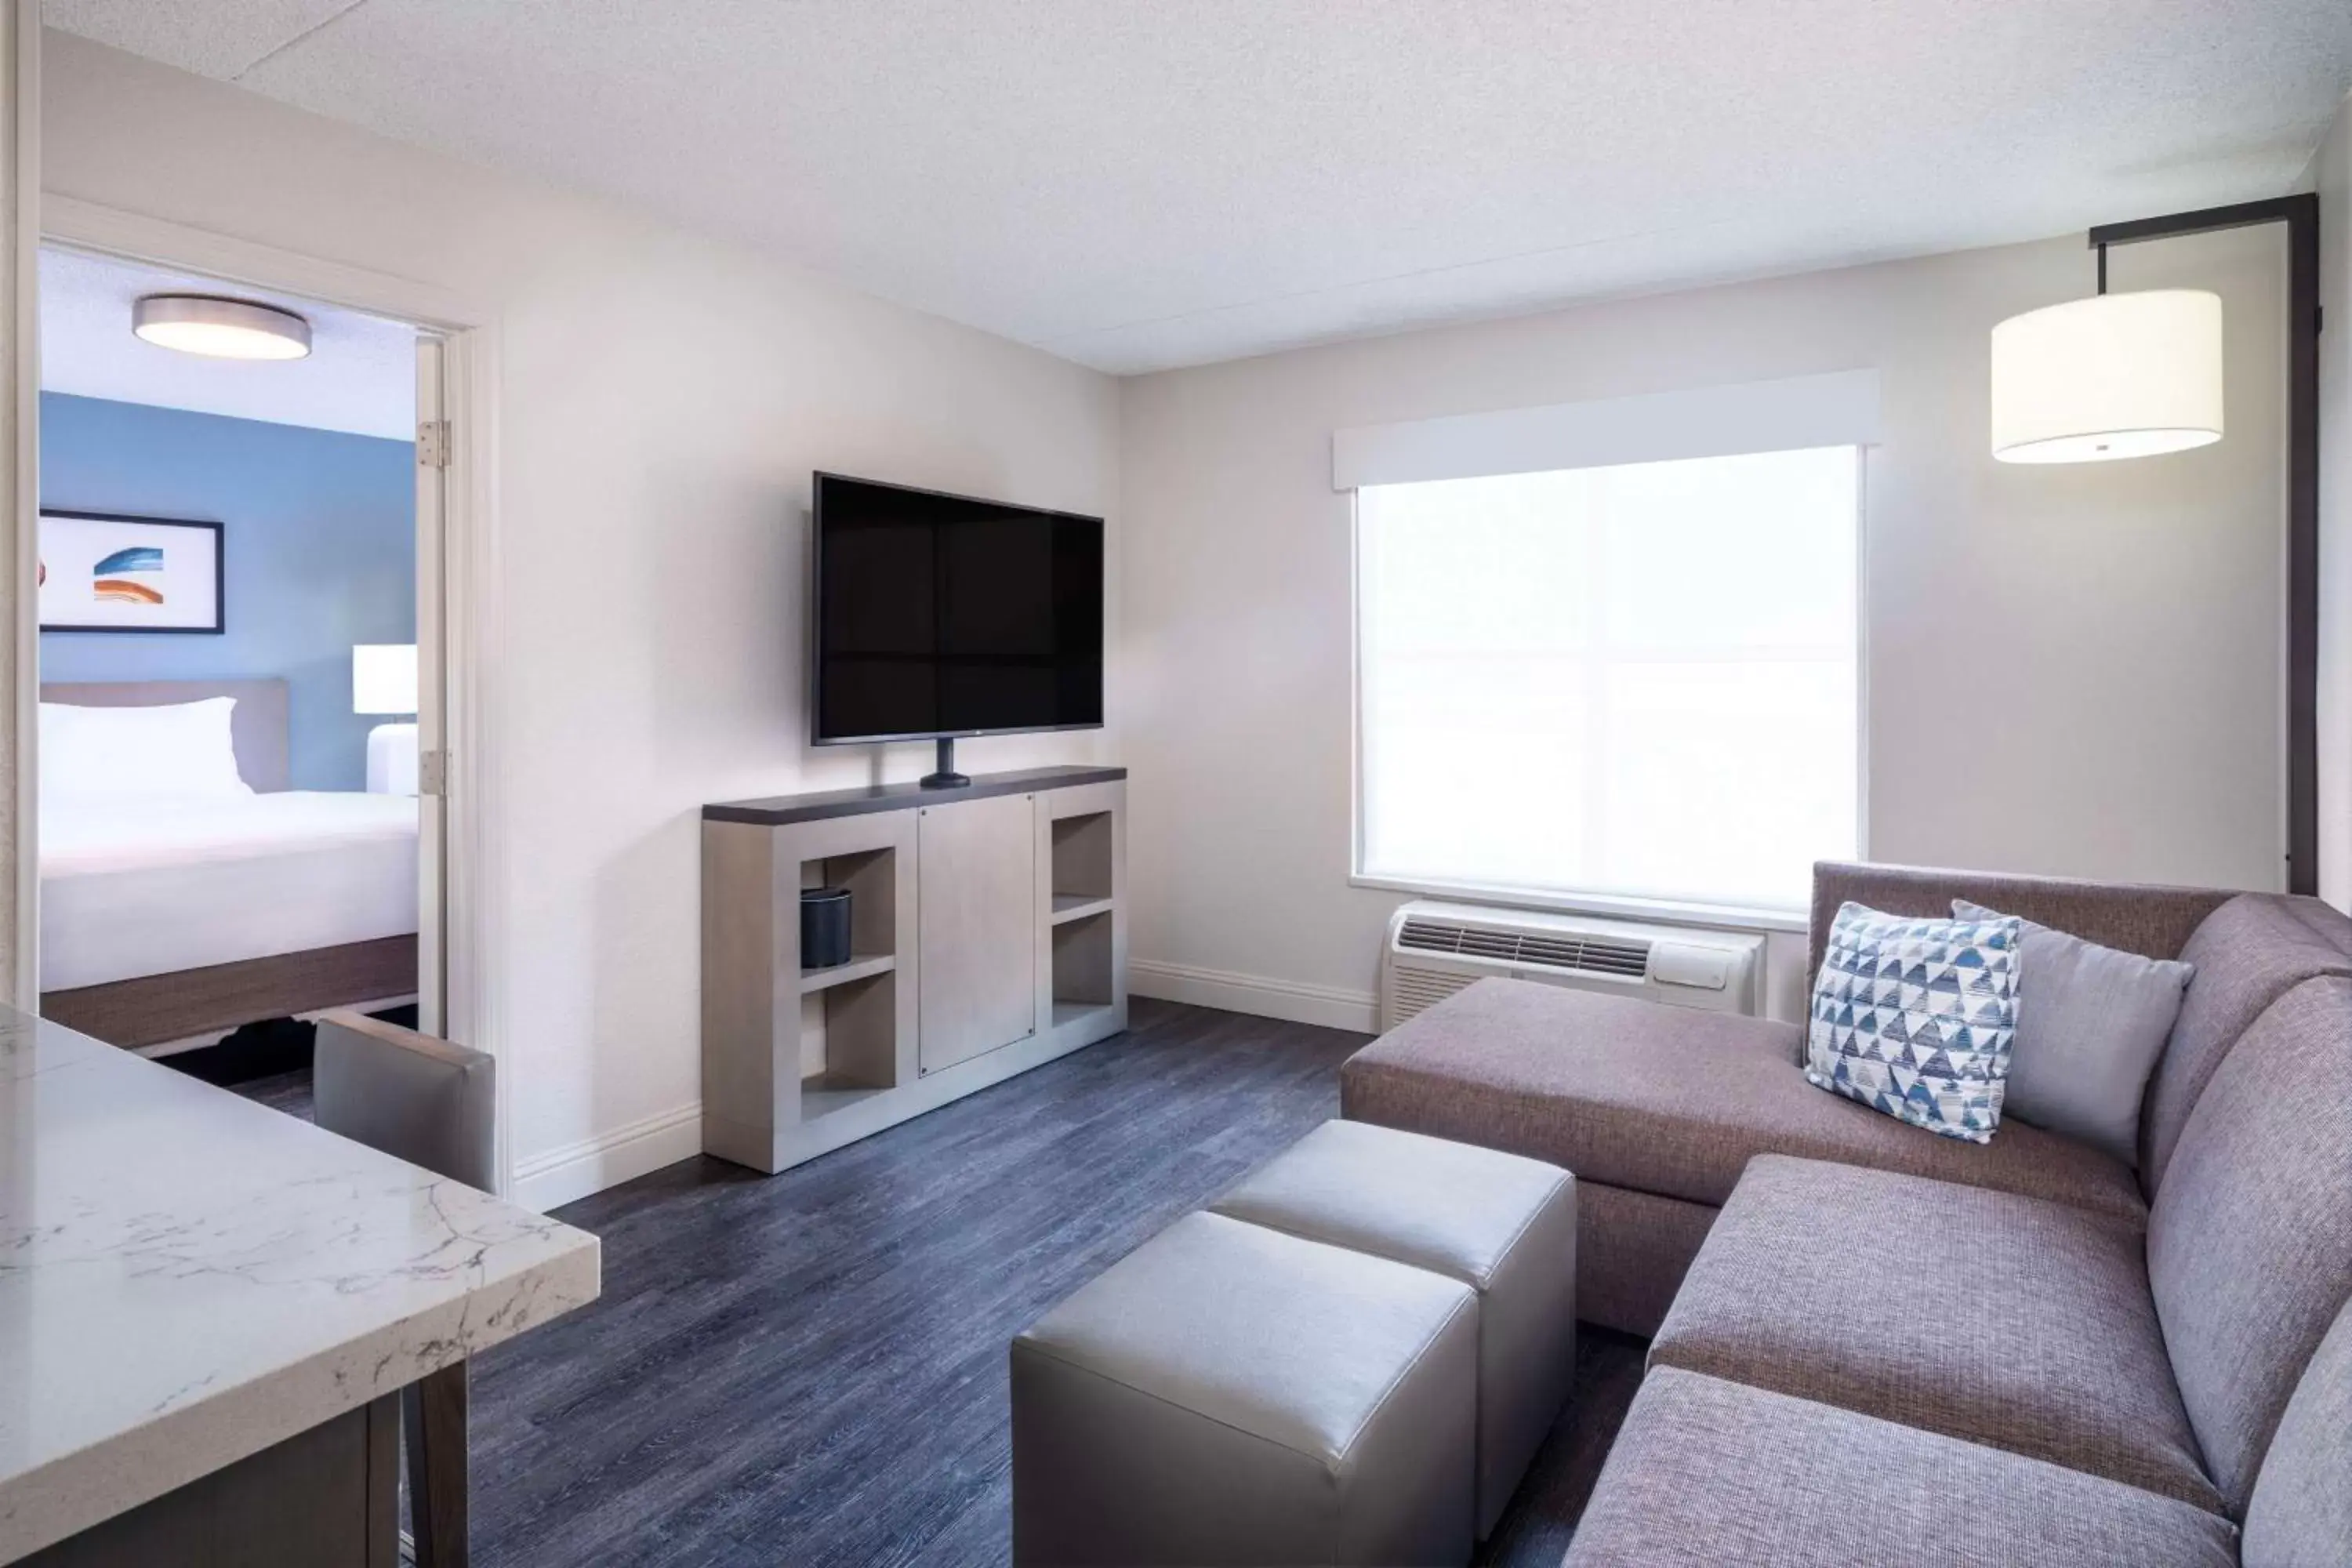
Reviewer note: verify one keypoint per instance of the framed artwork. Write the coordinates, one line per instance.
(101, 573)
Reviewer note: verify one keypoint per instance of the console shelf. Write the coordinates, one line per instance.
(863, 966)
(988, 925)
(1070, 1015)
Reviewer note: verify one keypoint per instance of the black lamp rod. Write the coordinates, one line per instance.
(2303, 207)
(2300, 212)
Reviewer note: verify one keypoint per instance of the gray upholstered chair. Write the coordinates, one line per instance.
(416, 1098)
(432, 1104)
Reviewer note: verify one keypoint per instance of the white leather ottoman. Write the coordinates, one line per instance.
(1228, 1394)
(1502, 1225)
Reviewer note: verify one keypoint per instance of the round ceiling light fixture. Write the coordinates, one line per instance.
(220, 328)
(2114, 376)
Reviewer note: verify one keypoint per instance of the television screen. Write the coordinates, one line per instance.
(941, 614)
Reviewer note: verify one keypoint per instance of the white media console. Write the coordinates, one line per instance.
(988, 935)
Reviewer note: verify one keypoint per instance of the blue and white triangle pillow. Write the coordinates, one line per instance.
(1915, 1018)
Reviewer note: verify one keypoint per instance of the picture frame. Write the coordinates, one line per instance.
(110, 572)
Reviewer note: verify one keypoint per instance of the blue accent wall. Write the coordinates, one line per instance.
(319, 540)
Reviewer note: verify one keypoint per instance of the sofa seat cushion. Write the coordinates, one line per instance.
(1984, 1316)
(1706, 1472)
(1671, 1101)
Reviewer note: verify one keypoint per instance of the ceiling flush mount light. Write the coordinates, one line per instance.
(2115, 375)
(220, 328)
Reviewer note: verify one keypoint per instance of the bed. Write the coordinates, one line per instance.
(172, 912)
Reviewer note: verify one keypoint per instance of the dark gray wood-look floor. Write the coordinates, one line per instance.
(286, 1091)
(810, 1369)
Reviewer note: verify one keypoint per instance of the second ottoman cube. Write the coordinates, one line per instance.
(1228, 1395)
(1503, 1225)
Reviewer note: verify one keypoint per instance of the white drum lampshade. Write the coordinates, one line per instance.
(383, 677)
(2115, 375)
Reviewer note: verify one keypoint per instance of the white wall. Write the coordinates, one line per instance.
(2071, 670)
(664, 398)
(2332, 176)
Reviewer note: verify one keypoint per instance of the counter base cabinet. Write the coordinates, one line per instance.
(327, 1498)
(988, 935)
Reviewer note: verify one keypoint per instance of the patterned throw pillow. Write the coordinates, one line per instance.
(1915, 1018)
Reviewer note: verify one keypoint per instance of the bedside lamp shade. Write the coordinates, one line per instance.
(2115, 375)
(383, 677)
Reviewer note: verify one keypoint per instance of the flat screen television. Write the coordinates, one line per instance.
(940, 616)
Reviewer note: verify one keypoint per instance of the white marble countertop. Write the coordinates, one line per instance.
(187, 1277)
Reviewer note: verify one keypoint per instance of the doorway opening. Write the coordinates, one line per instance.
(240, 669)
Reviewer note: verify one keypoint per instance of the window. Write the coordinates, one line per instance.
(1635, 682)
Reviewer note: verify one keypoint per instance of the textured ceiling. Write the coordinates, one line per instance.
(361, 375)
(1138, 183)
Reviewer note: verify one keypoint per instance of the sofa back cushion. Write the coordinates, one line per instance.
(2250, 1238)
(2153, 922)
(2301, 1512)
(2247, 954)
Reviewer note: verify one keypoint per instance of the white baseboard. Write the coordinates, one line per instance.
(1332, 1007)
(576, 1170)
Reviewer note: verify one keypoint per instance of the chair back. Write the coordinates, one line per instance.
(414, 1098)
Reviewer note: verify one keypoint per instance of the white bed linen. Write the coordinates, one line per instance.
(135, 888)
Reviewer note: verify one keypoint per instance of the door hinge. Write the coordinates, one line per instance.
(433, 444)
(433, 772)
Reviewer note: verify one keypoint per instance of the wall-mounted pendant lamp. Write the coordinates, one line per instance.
(2114, 376)
(2131, 375)
(220, 328)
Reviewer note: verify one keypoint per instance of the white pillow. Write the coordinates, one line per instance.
(178, 752)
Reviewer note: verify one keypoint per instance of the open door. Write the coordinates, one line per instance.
(432, 438)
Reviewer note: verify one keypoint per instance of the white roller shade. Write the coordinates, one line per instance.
(1839, 409)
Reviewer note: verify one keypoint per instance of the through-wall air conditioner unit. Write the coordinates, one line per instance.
(1435, 950)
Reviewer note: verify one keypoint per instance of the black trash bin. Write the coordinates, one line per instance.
(824, 927)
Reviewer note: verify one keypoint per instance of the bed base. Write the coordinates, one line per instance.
(164, 1009)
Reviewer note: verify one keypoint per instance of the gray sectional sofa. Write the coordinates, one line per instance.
(1871, 1344)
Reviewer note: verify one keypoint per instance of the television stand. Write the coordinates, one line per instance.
(988, 935)
(944, 776)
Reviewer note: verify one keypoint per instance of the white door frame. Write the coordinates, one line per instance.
(468, 332)
(20, 58)
(433, 481)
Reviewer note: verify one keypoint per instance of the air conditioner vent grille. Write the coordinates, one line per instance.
(1535, 949)
(1411, 989)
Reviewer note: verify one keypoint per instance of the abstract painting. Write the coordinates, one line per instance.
(101, 573)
